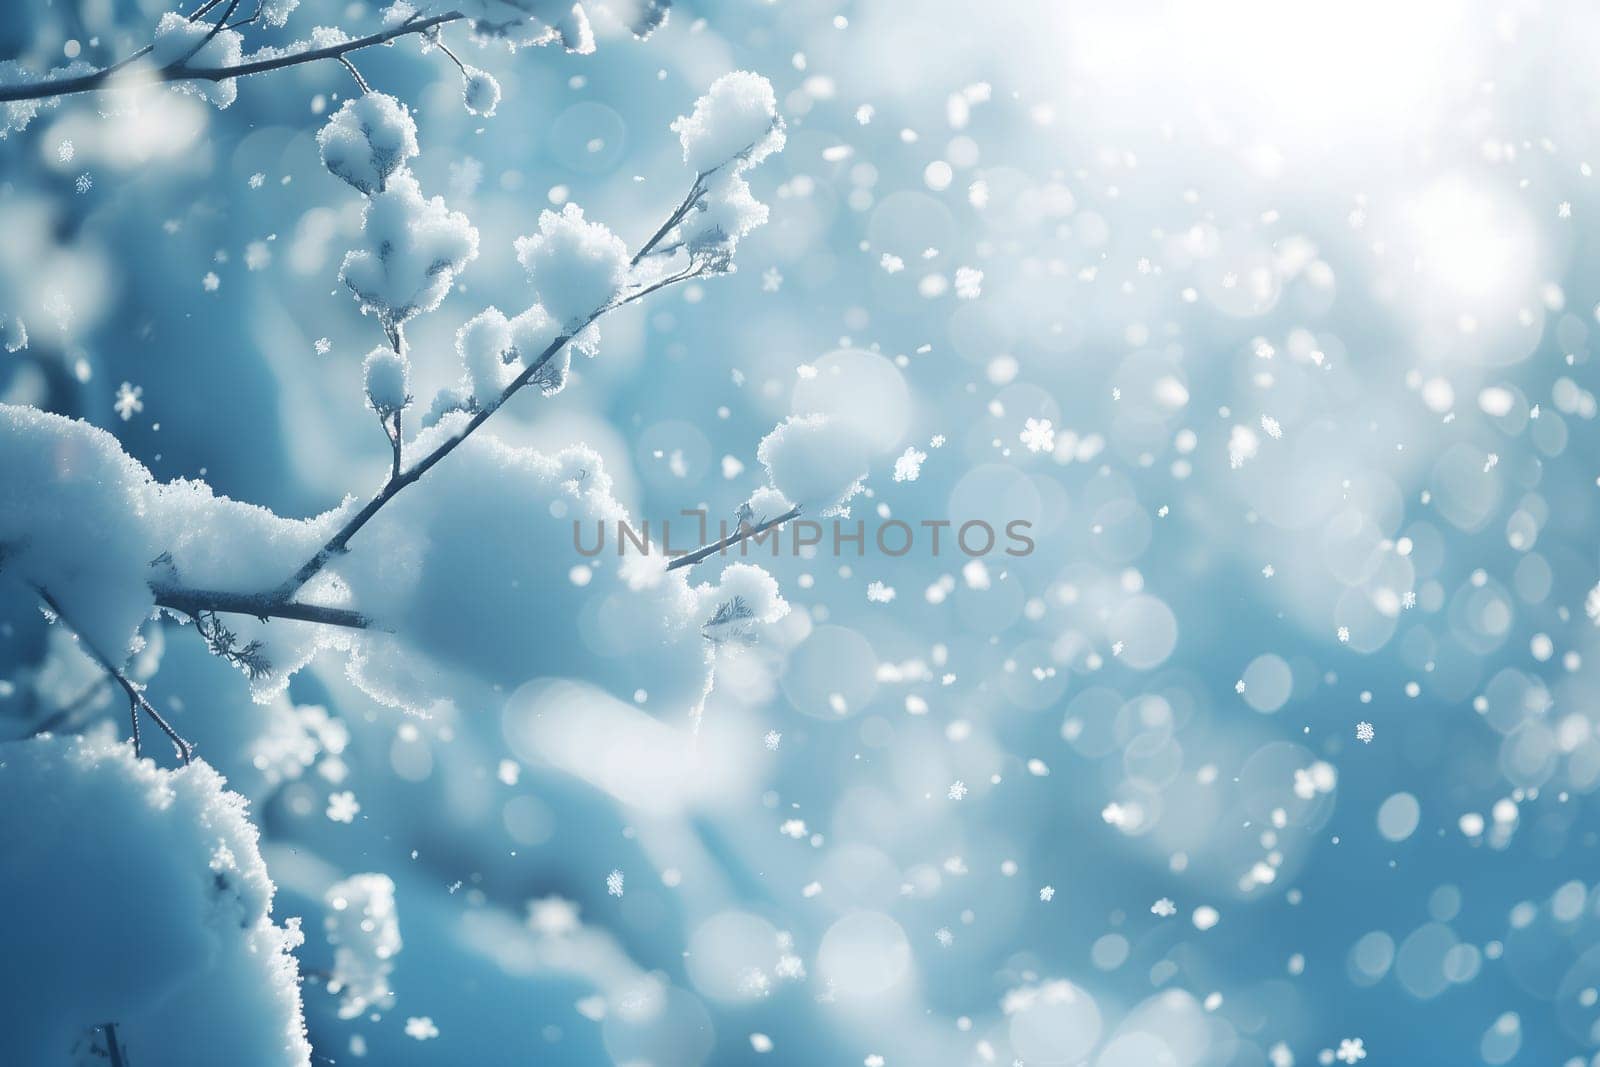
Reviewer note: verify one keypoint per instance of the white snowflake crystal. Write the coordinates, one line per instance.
(421, 1028)
(128, 402)
(614, 883)
(1351, 1050)
(958, 790)
(342, 807)
(1364, 732)
(1047, 893)
(908, 468)
(1164, 907)
(1038, 435)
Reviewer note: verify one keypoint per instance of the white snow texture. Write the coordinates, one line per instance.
(155, 916)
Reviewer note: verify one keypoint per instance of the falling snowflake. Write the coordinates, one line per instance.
(1351, 1050)
(773, 740)
(342, 807)
(891, 264)
(1238, 687)
(958, 789)
(878, 593)
(1164, 907)
(1242, 446)
(421, 1028)
(257, 180)
(1268, 571)
(1271, 427)
(1364, 732)
(1038, 435)
(771, 280)
(211, 283)
(1344, 635)
(614, 883)
(65, 151)
(1047, 893)
(908, 468)
(84, 183)
(128, 402)
(944, 936)
(323, 346)
(969, 283)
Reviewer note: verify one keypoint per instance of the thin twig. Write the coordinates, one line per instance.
(399, 443)
(743, 533)
(136, 698)
(113, 1050)
(181, 71)
(356, 74)
(436, 35)
(257, 605)
(681, 212)
(233, 5)
(62, 718)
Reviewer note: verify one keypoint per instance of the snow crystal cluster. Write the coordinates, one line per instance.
(363, 929)
(144, 911)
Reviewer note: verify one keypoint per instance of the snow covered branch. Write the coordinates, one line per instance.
(193, 602)
(458, 576)
(129, 72)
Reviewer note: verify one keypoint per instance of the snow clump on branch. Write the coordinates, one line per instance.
(193, 44)
(816, 461)
(367, 140)
(577, 266)
(733, 128)
(415, 249)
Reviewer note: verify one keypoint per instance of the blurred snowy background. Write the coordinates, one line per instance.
(1272, 317)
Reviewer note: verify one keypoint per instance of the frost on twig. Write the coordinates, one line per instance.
(248, 656)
